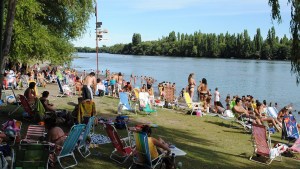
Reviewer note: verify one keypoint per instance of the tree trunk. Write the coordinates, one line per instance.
(7, 35)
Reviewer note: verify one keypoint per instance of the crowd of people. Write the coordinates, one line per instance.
(88, 86)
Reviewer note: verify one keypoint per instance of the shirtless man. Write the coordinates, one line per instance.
(88, 83)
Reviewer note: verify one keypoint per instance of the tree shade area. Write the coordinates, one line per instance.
(239, 45)
(42, 29)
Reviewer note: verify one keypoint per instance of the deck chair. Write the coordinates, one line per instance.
(70, 145)
(35, 133)
(122, 148)
(190, 104)
(261, 144)
(31, 156)
(82, 143)
(289, 128)
(143, 156)
(296, 146)
(86, 109)
(145, 103)
(124, 103)
(64, 90)
(26, 106)
(272, 112)
(15, 126)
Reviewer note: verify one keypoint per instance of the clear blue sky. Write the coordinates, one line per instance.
(156, 18)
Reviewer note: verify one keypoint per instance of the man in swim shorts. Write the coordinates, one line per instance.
(88, 83)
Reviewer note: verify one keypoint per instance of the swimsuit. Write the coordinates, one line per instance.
(87, 92)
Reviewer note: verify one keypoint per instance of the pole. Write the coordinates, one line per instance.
(1, 38)
(97, 40)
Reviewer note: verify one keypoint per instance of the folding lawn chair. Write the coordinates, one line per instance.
(296, 146)
(70, 144)
(122, 149)
(261, 144)
(143, 156)
(145, 103)
(26, 106)
(289, 128)
(35, 133)
(272, 112)
(82, 144)
(193, 106)
(14, 125)
(64, 90)
(31, 156)
(124, 103)
(86, 109)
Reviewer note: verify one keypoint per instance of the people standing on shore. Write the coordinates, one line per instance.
(216, 96)
(120, 82)
(112, 84)
(191, 85)
(203, 89)
(88, 83)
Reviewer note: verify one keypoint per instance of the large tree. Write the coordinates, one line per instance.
(43, 29)
(295, 31)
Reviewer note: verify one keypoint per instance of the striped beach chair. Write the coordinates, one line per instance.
(143, 156)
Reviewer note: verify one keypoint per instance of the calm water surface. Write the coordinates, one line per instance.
(269, 80)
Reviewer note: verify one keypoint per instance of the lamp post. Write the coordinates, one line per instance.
(96, 13)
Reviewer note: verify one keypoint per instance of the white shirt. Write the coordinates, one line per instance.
(217, 96)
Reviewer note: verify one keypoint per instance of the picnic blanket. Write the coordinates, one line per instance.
(99, 139)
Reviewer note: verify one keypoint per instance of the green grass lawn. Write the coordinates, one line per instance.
(210, 142)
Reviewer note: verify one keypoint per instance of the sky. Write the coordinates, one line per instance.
(154, 19)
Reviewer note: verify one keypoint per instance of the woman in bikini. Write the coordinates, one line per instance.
(191, 86)
(203, 89)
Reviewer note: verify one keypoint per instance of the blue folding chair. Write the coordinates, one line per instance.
(124, 103)
(70, 144)
(82, 147)
(60, 86)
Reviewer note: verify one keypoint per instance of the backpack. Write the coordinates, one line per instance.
(120, 122)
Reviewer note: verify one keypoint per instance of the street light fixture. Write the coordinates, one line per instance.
(99, 36)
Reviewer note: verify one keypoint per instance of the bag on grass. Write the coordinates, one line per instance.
(120, 122)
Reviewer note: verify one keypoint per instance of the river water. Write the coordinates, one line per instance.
(265, 80)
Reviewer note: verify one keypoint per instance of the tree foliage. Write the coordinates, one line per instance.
(43, 29)
(295, 31)
(199, 44)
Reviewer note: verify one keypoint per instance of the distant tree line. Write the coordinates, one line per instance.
(239, 45)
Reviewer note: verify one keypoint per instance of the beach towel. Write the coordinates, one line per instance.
(99, 139)
(289, 129)
(86, 109)
(40, 110)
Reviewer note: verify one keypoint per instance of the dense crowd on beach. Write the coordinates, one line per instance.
(89, 85)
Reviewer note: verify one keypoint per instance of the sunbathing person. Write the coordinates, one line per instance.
(78, 84)
(30, 94)
(242, 112)
(156, 146)
(44, 99)
(284, 111)
(56, 136)
(261, 114)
